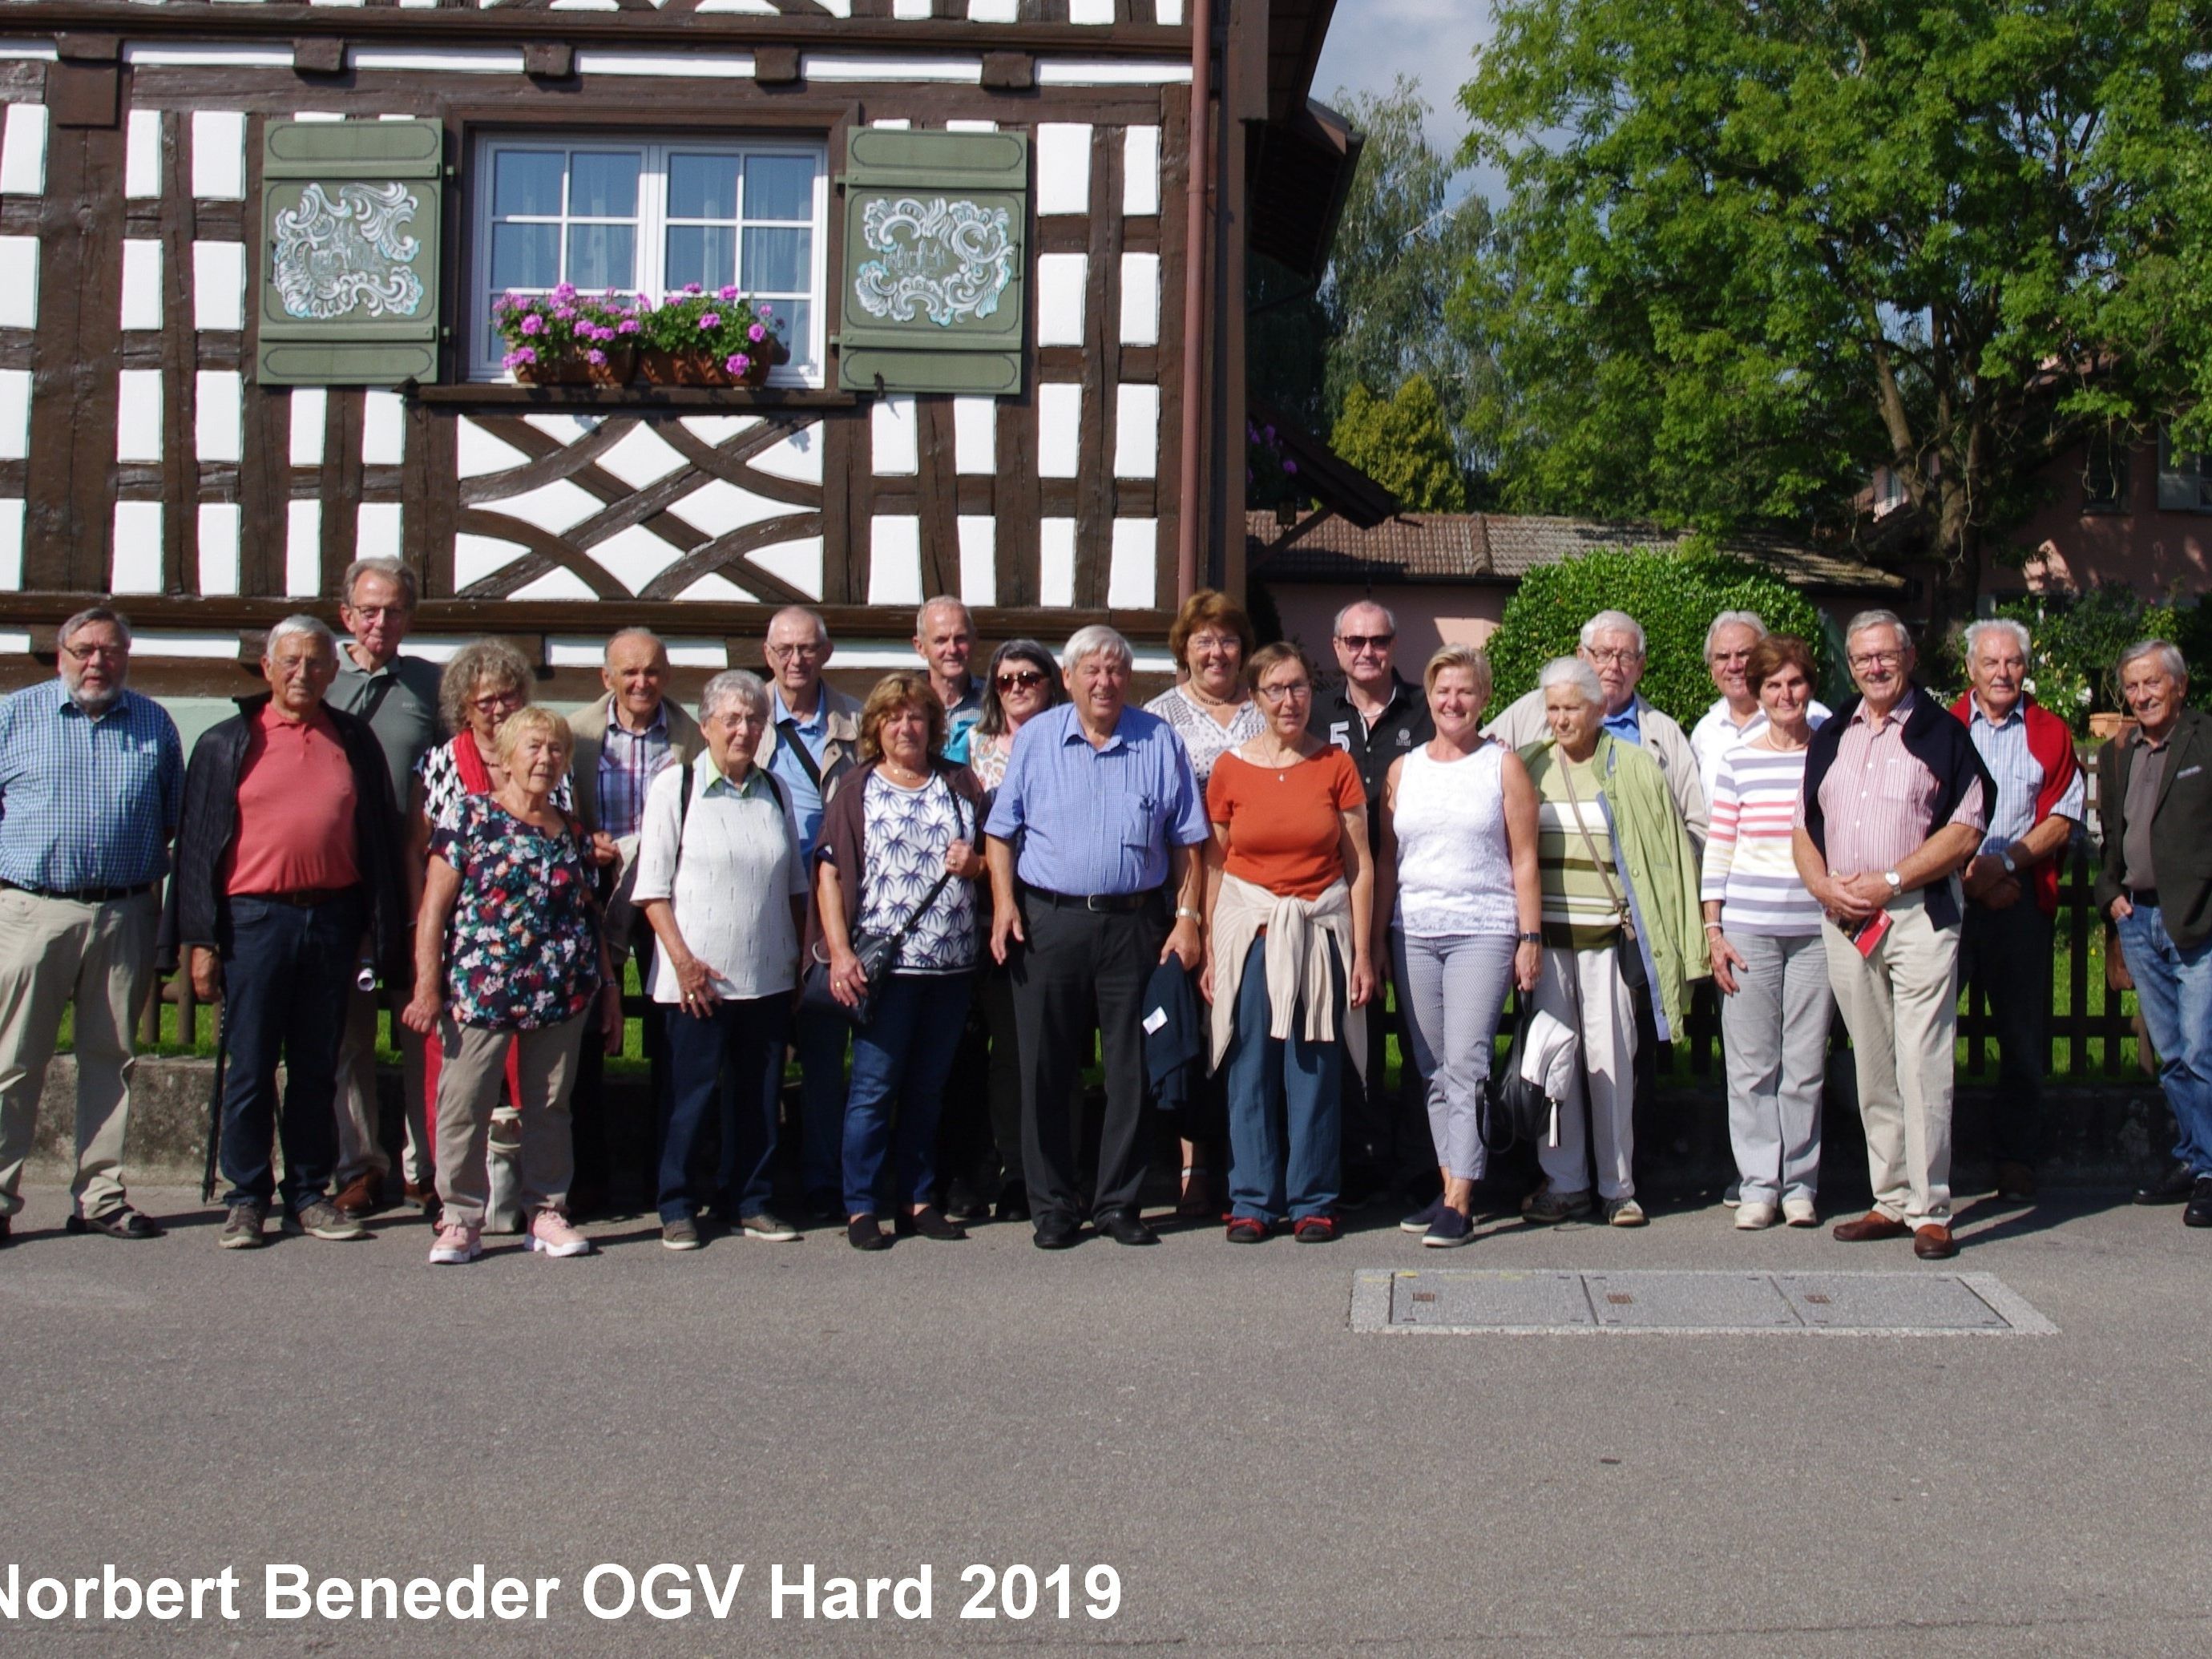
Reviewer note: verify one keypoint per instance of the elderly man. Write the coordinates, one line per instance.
(287, 881)
(2154, 807)
(1613, 643)
(91, 780)
(398, 697)
(1896, 800)
(1373, 716)
(1735, 716)
(813, 739)
(944, 639)
(2012, 886)
(1105, 805)
(620, 743)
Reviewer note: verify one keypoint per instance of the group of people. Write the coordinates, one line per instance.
(934, 898)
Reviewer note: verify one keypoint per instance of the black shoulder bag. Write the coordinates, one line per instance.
(878, 954)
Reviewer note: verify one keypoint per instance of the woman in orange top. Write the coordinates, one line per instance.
(1290, 885)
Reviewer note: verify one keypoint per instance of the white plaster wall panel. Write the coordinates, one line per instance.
(383, 429)
(142, 155)
(1167, 13)
(557, 507)
(715, 588)
(797, 458)
(477, 453)
(718, 507)
(185, 643)
(19, 282)
(219, 285)
(310, 409)
(1140, 170)
(556, 585)
(1100, 12)
(703, 65)
(1060, 279)
(142, 282)
(1140, 299)
(1133, 577)
(1063, 167)
(589, 651)
(719, 429)
(219, 415)
(797, 562)
(564, 428)
(138, 415)
(23, 151)
(994, 11)
(219, 531)
(585, 5)
(1059, 427)
(324, 115)
(894, 560)
(910, 9)
(971, 126)
(11, 549)
(219, 152)
(446, 60)
(641, 456)
(758, 8)
(135, 566)
(197, 55)
(891, 122)
(1110, 72)
(836, 8)
(303, 550)
(854, 66)
(979, 557)
(15, 414)
(476, 557)
(898, 446)
(1136, 431)
(376, 530)
(1056, 561)
(975, 434)
(634, 555)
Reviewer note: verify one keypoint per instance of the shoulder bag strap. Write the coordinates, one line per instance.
(897, 936)
(1604, 871)
(787, 729)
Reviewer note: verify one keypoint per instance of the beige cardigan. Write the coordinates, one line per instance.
(1298, 961)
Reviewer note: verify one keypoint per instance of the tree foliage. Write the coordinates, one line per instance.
(1752, 251)
(2077, 638)
(1404, 443)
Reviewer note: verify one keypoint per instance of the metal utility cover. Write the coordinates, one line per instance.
(1457, 1301)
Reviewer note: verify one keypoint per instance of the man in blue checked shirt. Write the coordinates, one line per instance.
(1104, 803)
(91, 779)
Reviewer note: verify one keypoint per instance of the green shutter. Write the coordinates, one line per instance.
(936, 233)
(351, 213)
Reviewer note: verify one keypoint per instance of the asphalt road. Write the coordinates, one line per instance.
(1198, 1418)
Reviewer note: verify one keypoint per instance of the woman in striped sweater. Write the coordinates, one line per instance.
(1765, 932)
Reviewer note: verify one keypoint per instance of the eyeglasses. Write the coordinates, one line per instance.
(87, 653)
(1877, 658)
(785, 652)
(1024, 679)
(1731, 656)
(1357, 642)
(1213, 642)
(496, 701)
(1283, 693)
(1611, 659)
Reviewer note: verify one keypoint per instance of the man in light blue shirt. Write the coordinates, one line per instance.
(944, 640)
(1105, 805)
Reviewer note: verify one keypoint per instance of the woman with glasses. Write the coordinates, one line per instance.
(1289, 890)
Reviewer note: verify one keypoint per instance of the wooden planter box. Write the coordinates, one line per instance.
(576, 369)
(658, 367)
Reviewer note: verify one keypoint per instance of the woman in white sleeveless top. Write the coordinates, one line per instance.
(1457, 889)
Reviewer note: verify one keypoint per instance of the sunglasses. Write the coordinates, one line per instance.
(1366, 641)
(1026, 679)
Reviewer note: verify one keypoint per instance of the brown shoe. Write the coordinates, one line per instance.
(420, 1194)
(1872, 1225)
(2015, 1179)
(1934, 1242)
(360, 1197)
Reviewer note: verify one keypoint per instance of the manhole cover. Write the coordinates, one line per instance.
(1498, 1300)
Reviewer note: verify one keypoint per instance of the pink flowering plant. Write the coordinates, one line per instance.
(720, 324)
(540, 329)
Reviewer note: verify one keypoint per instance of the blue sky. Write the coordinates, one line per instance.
(1372, 41)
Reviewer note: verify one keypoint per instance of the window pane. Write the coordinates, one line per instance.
(602, 256)
(705, 254)
(702, 187)
(526, 256)
(526, 181)
(797, 317)
(777, 261)
(779, 187)
(603, 186)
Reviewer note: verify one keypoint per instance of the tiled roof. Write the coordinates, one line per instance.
(1448, 547)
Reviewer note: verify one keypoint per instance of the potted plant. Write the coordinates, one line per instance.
(698, 338)
(567, 338)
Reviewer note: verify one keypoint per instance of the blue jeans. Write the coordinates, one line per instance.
(820, 1040)
(1286, 1105)
(2174, 987)
(740, 1043)
(901, 1059)
(287, 978)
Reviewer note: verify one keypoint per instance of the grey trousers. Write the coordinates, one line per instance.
(468, 1086)
(1451, 993)
(1775, 1032)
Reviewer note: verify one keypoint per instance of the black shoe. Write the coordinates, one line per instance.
(4, 1240)
(963, 1203)
(121, 1222)
(930, 1222)
(2199, 1212)
(1014, 1202)
(863, 1234)
(2176, 1186)
(1056, 1233)
(1125, 1226)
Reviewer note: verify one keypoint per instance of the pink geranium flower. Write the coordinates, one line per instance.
(628, 325)
(533, 324)
(737, 362)
(756, 334)
(595, 355)
(711, 320)
(725, 292)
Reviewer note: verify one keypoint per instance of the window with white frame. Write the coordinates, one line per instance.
(647, 216)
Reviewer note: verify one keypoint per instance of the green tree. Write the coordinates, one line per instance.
(1405, 443)
(1752, 249)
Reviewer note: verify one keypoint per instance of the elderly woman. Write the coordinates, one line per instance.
(720, 883)
(1620, 911)
(1289, 885)
(898, 860)
(1457, 886)
(507, 947)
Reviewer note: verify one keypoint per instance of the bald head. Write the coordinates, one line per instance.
(636, 672)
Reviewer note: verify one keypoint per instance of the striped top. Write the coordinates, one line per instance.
(1578, 909)
(1749, 867)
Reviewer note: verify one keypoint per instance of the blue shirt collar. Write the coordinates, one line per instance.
(1628, 723)
(61, 702)
(1072, 732)
(779, 711)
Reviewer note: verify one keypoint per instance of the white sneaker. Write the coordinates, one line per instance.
(1800, 1212)
(550, 1234)
(1750, 1216)
(456, 1244)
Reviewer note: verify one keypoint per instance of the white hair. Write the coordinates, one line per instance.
(660, 649)
(2018, 632)
(313, 626)
(1867, 619)
(733, 685)
(1089, 643)
(1389, 621)
(942, 602)
(1612, 622)
(1573, 671)
(2166, 651)
(1750, 619)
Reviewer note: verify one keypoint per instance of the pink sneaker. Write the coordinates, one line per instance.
(456, 1244)
(549, 1231)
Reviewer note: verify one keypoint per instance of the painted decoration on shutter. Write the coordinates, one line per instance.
(936, 233)
(351, 217)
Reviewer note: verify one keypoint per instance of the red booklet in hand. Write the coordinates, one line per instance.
(1869, 932)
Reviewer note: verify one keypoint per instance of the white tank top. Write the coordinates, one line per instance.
(1454, 869)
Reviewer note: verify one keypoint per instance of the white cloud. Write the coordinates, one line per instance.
(1432, 42)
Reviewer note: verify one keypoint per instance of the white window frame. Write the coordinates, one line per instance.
(485, 348)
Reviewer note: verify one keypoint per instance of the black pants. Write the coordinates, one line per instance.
(1080, 967)
(600, 1146)
(2007, 953)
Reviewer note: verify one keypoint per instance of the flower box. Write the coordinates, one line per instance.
(576, 369)
(658, 367)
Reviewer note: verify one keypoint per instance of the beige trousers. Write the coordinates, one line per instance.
(467, 1088)
(1583, 989)
(54, 952)
(1901, 1007)
(359, 1150)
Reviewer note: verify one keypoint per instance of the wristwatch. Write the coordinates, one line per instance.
(1531, 938)
(1182, 910)
(1896, 882)
(2005, 859)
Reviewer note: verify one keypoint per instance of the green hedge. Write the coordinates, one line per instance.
(1674, 594)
